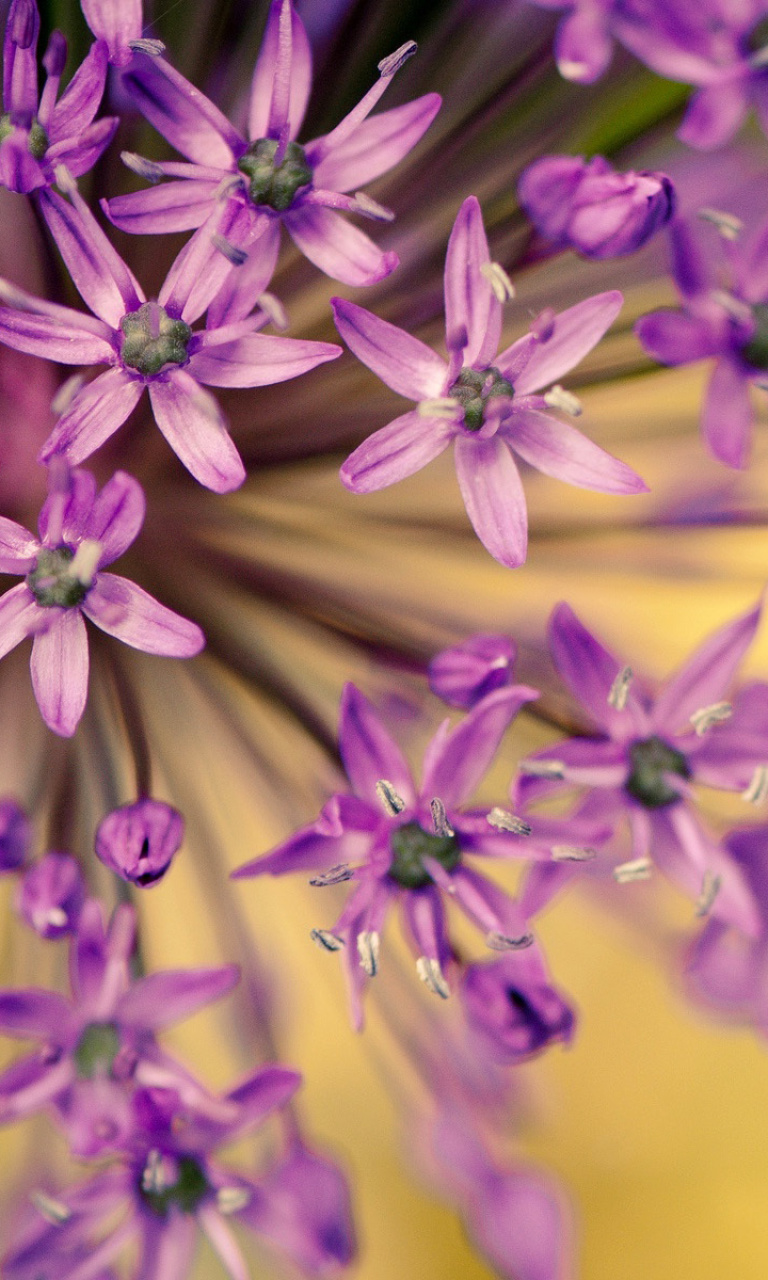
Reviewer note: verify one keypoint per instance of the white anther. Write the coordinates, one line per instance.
(147, 169)
(66, 393)
(232, 254)
(85, 561)
(740, 311)
(153, 1177)
(499, 281)
(432, 976)
(52, 1210)
(389, 798)
(368, 951)
(543, 768)
(394, 61)
(558, 398)
(154, 48)
(56, 916)
(439, 818)
(372, 209)
(503, 942)
(729, 226)
(570, 69)
(572, 853)
(757, 791)
(273, 307)
(706, 717)
(64, 180)
(637, 869)
(443, 407)
(503, 820)
(232, 1199)
(334, 875)
(328, 941)
(15, 298)
(619, 690)
(709, 891)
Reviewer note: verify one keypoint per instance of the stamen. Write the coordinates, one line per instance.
(740, 311)
(503, 820)
(153, 1179)
(64, 180)
(729, 226)
(153, 48)
(66, 394)
(232, 1199)
(709, 891)
(503, 942)
(147, 169)
(439, 819)
(234, 255)
(706, 717)
(499, 281)
(637, 869)
(542, 768)
(443, 407)
(619, 690)
(85, 561)
(760, 57)
(329, 941)
(368, 951)
(390, 65)
(372, 209)
(273, 307)
(52, 1210)
(432, 976)
(56, 916)
(389, 797)
(334, 875)
(757, 791)
(572, 853)
(558, 398)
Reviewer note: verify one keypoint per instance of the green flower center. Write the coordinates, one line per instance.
(410, 844)
(38, 138)
(152, 339)
(268, 183)
(755, 352)
(96, 1050)
(185, 1193)
(652, 759)
(51, 582)
(474, 388)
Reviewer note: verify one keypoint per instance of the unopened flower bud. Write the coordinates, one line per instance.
(15, 832)
(465, 674)
(51, 894)
(138, 841)
(513, 1007)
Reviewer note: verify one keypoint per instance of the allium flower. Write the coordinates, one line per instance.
(649, 752)
(463, 675)
(80, 533)
(37, 133)
(730, 324)
(483, 402)
(512, 1006)
(273, 178)
(588, 206)
(51, 894)
(138, 841)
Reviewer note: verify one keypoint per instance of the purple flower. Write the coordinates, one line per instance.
(586, 205)
(151, 344)
(650, 751)
(138, 841)
(80, 533)
(116, 22)
(272, 177)
(729, 322)
(512, 1006)
(51, 894)
(485, 403)
(462, 676)
(98, 1046)
(37, 133)
(15, 836)
(583, 44)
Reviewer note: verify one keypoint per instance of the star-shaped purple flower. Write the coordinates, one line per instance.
(485, 403)
(81, 532)
(273, 178)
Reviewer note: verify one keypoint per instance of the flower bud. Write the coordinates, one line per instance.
(51, 894)
(15, 833)
(586, 205)
(511, 1005)
(465, 674)
(138, 841)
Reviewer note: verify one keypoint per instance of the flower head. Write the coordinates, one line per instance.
(51, 894)
(463, 675)
(138, 841)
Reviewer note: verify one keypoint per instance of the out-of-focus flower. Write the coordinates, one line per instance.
(51, 894)
(588, 206)
(513, 1007)
(463, 675)
(138, 841)
(15, 835)
(584, 40)
(37, 133)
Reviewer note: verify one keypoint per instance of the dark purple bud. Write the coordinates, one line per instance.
(465, 674)
(138, 841)
(23, 23)
(512, 1006)
(586, 205)
(303, 1206)
(15, 835)
(51, 894)
(55, 56)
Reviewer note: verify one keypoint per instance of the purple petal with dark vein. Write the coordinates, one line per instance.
(454, 765)
(241, 290)
(559, 450)
(20, 614)
(714, 114)
(161, 999)
(258, 361)
(168, 1246)
(494, 498)
(57, 337)
(707, 676)
(583, 46)
(398, 450)
(59, 668)
(116, 516)
(376, 145)
(101, 277)
(694, 269)
(470, 303)
(181, 113)
(342, 251)
(20, 59)
(123, 609)
(94, 415)
(80, 153)
(425, 920)
(672, 337)
(192, 423)
(576, 331)
(404, 363)
(727, 415)
(200, 269)
(32, 1014)
(19, 171)
(171, 206)
(18, 547)
(282, 77)
(343, 833)
(81, 99)
(369, 753)
(589, 670)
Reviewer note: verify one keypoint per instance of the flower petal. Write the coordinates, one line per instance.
(168, 1246)
(80, 152)
(559, 450)
(170, 206)
(714, 114)
(94, 415)
(241, 290)
(18, 547)
(54, 332)
(404, 363)
(200, 269)
(191, 422)
(672, 337)
(707, 676)
(455, 763)
(20, 614)
(575, 332)
(123, 609)
(342, 251)
(258, 360)
(493, 495)
(369, 753)
(376, 145)
(589, 670)
(33, 1014)
(685, 852)
(181, 113)
(116, 516)
(80, 101)
(398, 450)
(59, 669)
(583, 46)
(282, 77)
(470, 303)
(170, 996)
(102, 279)
(727, 417)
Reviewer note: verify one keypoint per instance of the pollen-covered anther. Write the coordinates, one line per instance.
(328, 941)
(153, 48)
(709, 891)
(51, 1209)
(503, 820)
(370, 208)
(55, 916)
(234, 255)
(558, 398)
(66, 394)
(542, 768)
(273, 309)
(502, 286)
(334, 875)
(85, 561)
(572, 853)
(619, 690)
(232, 1199)
(153, 1177)
(368, 950)
(391, 801)
(728, 225)
(706, 717)
(443, 407)
(757, 791)
(498, 941)
(64, 180)
(146, 169)
(431, 975)
(390, 65)
(636, 869)
(439, 818)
